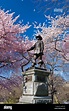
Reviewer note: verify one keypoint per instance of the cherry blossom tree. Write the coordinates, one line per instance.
(13, 48)
(12, 45)
(66, 47)
(54, 34)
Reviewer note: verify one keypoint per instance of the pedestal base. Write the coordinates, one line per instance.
(35, 100)
(35, 87)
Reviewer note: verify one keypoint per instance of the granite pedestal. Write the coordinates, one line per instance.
(35, 87)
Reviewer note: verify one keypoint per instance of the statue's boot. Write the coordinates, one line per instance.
(40, 62)
(33, 64)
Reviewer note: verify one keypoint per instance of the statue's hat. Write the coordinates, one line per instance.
(38, 36)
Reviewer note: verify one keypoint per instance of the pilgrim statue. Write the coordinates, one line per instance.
(38, 48)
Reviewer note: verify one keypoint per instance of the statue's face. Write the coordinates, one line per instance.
(38, 39)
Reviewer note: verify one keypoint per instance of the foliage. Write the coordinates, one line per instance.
(55, 33)
(12, 45)
(13, 49)
(10, 101)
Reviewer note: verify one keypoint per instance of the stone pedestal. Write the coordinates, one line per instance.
(35, 87)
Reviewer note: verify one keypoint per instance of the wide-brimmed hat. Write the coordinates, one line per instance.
(38, 36)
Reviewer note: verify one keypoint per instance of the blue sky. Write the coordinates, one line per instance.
(30, 11)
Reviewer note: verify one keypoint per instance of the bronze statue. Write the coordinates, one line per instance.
(38, 51)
